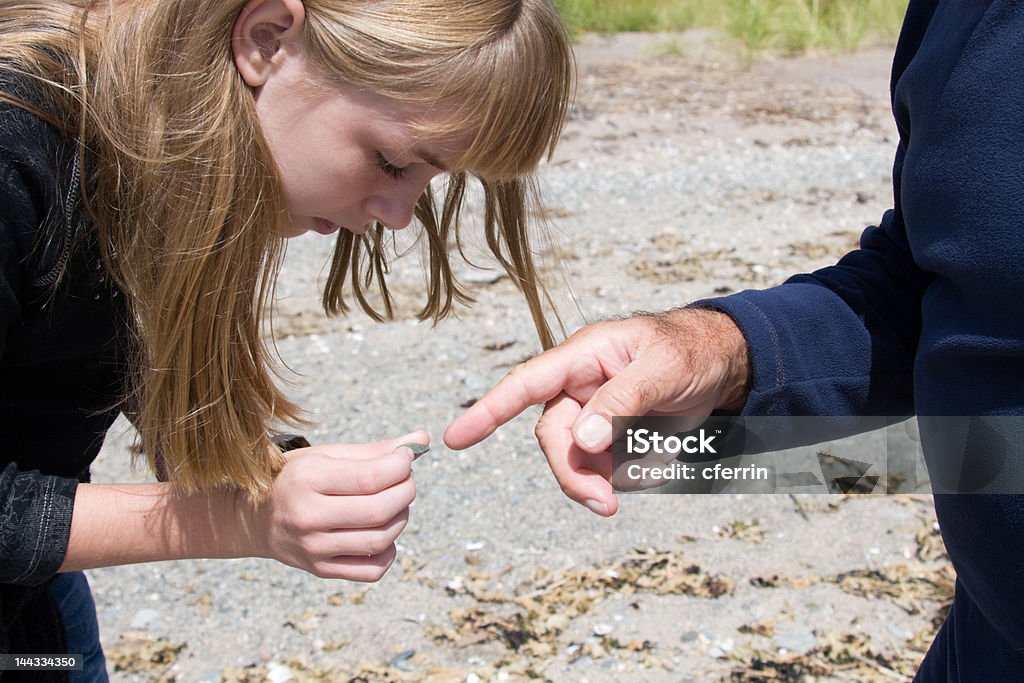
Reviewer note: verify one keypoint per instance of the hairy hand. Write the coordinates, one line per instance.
(687, 361)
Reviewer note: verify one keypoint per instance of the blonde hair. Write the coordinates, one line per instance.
(188, 205)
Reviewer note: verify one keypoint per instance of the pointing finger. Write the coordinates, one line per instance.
(533, 382)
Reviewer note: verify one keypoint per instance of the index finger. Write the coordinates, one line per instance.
(535, 381)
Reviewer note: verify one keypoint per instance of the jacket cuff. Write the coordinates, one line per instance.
(35, 524)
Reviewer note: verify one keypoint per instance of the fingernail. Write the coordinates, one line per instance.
(596, 506)
(594, 431)
(417, 449)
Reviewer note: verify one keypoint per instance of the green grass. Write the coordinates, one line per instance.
(789, 26)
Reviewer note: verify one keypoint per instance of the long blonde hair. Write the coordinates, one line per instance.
(188, 205)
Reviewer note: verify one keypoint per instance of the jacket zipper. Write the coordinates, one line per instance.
(69, 229)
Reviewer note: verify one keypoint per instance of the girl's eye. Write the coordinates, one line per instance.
(389, 169)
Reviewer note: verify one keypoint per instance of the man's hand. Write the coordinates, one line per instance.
(687, 361)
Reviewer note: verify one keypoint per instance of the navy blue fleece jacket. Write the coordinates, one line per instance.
(927, 316)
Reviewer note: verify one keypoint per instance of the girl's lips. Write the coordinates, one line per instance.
(325, 227)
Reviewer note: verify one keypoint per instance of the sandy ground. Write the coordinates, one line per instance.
(684, 173)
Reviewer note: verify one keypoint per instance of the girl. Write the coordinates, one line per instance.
(153, 156)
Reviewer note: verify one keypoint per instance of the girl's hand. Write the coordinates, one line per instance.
(335, 510)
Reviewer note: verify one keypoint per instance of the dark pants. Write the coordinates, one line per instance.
(78, 611)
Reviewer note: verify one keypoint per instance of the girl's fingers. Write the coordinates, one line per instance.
(357, 542)
(342, 476)
(370, 511)
(337, 509)
(356, 568)
(366, 451)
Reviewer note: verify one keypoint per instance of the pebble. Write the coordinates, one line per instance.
(720, 648)
(899, 631)
(145, 618)
(557, 622)
(402, 660)
(279, 673)
(800, 642)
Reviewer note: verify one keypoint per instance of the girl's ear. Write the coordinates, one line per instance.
(262, 32)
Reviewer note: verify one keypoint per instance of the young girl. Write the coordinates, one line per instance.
(154, 154)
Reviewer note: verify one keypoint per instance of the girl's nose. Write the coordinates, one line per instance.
(394, 207)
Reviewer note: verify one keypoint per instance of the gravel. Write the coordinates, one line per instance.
(680, 176)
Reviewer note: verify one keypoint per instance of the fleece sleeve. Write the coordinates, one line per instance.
(842, 340)
(839, 341)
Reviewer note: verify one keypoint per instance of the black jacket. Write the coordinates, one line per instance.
(62, 342)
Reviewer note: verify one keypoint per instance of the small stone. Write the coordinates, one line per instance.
(800, 642)
(279, 673)
(402, 660)
(145, 618)
(417, 449)
(899, 631)
(556, 622)
(602, 629)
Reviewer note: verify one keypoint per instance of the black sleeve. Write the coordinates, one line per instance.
(35, 522)
(35, 509)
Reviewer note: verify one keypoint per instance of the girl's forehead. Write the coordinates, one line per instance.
(443, 151)
(434, 132)
(445, 133)
(432, 117)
